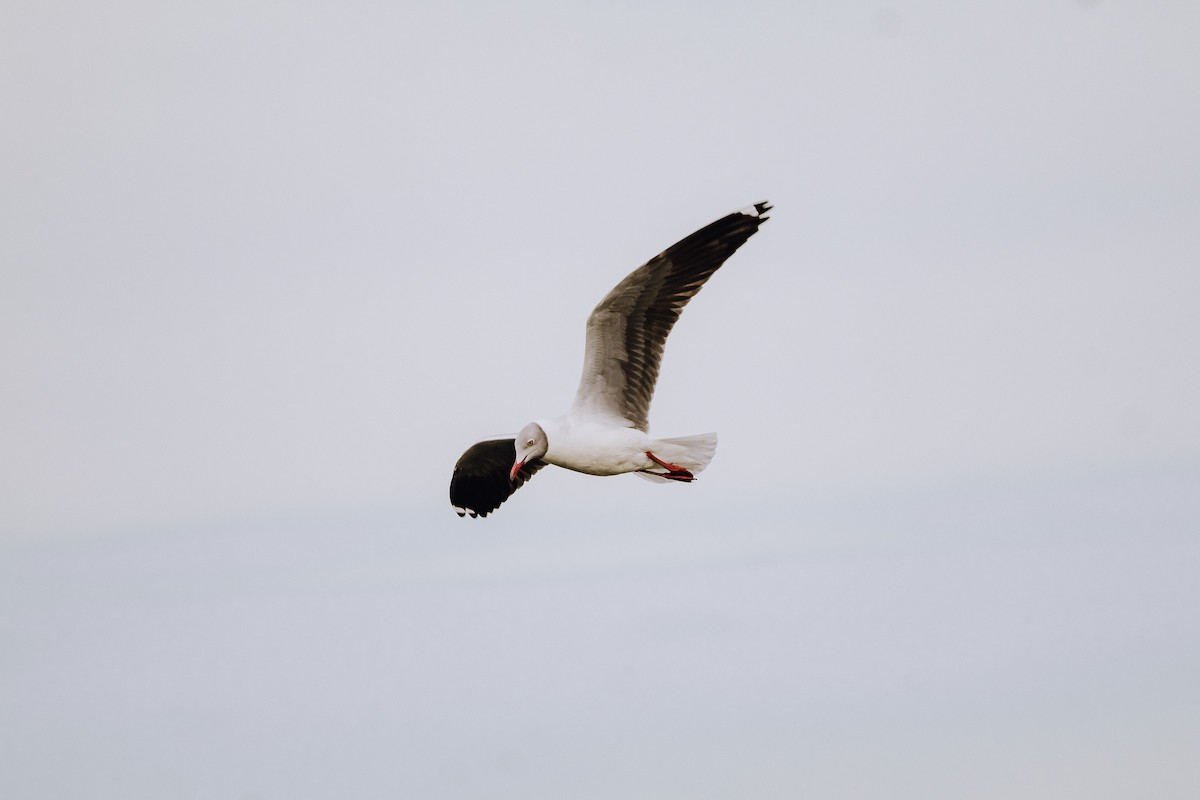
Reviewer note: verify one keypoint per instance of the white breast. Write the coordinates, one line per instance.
(594, 447)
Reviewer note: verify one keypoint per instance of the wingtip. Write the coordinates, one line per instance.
(758, 210)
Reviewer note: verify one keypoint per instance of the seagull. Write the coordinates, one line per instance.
(606, 429)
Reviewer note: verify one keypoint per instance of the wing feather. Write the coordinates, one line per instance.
(480, 481)
(626, 332)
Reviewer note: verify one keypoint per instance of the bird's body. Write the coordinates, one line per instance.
(606, 430)
(594, 447)
(599, 448)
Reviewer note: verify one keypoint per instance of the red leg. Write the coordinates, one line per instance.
(674, 471)
(664, 464)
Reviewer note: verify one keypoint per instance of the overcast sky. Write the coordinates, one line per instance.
(259, 258)
(267, 265)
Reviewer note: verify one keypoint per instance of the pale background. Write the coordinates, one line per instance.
(266, 269)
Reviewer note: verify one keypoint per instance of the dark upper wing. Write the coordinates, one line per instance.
(627, 331)
(480, 481)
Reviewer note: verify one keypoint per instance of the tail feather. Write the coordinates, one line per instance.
(690, 452)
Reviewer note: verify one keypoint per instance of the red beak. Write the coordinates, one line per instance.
(512, 475)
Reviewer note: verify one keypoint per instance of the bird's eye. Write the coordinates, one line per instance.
(529, 443)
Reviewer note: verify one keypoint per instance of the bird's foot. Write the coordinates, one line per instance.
(673, 471)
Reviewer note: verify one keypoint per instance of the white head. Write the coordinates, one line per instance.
(531, 443)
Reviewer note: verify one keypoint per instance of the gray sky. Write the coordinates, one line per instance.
(265, 267)
(259, 259)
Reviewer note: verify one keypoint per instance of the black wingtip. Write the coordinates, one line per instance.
(757, 212)
(481, 481)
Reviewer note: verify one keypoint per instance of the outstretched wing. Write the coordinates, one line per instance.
(480, 482)
(627, 331)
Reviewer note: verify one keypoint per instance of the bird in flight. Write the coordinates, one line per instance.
(606, 429)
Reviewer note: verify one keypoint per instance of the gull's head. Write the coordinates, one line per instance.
(531, 443)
